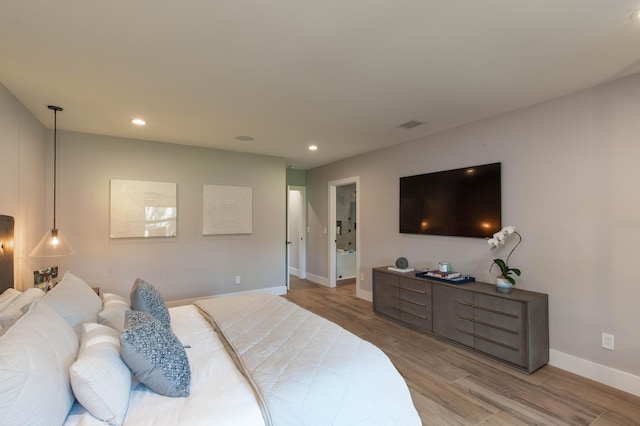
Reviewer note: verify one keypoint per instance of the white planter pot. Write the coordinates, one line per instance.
(503, 286)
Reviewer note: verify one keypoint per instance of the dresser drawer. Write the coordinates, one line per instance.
(421, 297)
(506, 307)
(454, 318)
(511, 339)
(421, 290)
(498, 320)
(513, 354)
(419, 320)
(386, 294)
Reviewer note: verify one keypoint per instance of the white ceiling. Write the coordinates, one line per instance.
(339, 74)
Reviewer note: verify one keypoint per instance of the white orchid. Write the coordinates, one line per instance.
(509, 229)
(499, 238)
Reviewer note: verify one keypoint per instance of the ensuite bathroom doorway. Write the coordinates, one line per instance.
(344, 240)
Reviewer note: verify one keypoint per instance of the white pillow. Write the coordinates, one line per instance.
(75, 301)
(7, 296)
(35, 355)
(101, 381)
(14, 309)
(111, 300)
(113, 310)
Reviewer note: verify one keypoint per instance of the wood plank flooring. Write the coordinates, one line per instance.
(451, 386)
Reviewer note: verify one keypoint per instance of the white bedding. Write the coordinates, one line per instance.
(220, 394)
(307, 370)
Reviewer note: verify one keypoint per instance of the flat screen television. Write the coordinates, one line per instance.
(462, 202)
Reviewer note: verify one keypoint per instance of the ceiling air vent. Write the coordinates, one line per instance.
(411, 124)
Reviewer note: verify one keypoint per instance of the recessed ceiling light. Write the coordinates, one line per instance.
(313, 148)
(138, 122)
(635, 16)
(244, 138)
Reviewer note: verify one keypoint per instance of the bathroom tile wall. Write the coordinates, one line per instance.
(346, 217)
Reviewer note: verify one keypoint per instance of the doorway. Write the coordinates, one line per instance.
(296, 232)
(344, 240)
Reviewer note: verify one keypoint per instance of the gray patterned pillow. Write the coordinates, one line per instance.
(146, 298)
(155, 355)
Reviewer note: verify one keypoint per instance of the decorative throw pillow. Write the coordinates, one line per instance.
(155, 355)
(113, 310)
(35, 355)
(146, 298)
(75, 301)
(100, 380)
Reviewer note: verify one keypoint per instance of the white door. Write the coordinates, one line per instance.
(296, 232)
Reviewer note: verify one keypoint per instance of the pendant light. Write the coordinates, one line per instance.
(53, 244)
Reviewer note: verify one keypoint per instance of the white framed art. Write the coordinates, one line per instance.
(143, 209)
(226, 209)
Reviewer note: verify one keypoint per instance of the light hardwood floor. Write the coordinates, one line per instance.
(451, 386)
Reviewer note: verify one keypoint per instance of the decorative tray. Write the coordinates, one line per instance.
(462, 279)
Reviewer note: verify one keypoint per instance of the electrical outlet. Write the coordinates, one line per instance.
(361, 276)
(608, 341)
(237, 279)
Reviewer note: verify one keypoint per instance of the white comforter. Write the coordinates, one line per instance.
(220, 395)
(307, 370)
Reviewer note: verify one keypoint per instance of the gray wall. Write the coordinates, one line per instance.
(190, 265)
(23, 169)
(570, 186)
(296, 177)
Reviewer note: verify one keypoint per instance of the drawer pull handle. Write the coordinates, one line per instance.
(484, 308)
(497, 327)
(413, 290)
(495, 342)
(506, 314)
(411, 313)
(415, 303)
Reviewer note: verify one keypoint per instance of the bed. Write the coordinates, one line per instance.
(70, 357)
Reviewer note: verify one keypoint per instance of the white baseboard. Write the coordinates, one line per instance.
(278, 291)
(294, 271)
(318, 279)
(364, 294)
(600, 373)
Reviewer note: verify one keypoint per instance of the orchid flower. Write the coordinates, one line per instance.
(499, 238)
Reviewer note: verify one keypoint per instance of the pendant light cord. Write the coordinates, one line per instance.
(55, 162)
(55, 110)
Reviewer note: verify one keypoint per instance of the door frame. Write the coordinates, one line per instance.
(332, 251)
(302, 221)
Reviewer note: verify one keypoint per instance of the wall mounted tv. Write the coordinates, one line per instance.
(462, 202)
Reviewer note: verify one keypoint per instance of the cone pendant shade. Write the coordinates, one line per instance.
(53, 244)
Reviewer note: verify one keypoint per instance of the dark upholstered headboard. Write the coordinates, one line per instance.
(6, 252)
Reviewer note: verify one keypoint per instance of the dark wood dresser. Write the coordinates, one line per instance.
(510, 327)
